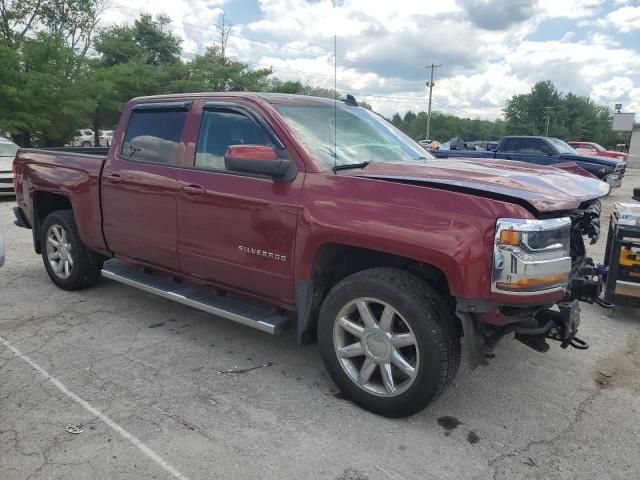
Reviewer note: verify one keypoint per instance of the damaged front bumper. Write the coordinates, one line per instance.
(543, 316)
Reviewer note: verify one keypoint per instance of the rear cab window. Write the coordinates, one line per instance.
(153, 134)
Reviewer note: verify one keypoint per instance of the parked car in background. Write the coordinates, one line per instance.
(545, 151)
(84, 138)
(106, 137)
(429, 144)
(592, 148)
(366, 243)
(7, 154)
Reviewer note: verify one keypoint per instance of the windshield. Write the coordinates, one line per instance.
(562, 147)
(8, 149)
(359, 136)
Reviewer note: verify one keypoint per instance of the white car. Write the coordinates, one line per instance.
(84, 138)
(106, 137)
(7, 154)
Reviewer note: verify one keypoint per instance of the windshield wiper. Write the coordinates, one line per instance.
(349, 166)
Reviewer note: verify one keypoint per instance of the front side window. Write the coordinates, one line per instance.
(153, 136)
(347, 135)
(222, 128)
(562, 147)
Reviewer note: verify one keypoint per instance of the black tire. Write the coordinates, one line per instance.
(86, 268)
(86, 144)
(429, 316)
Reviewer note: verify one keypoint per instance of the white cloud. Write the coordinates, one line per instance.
(383, 47)
(568, 8)
(625, 19)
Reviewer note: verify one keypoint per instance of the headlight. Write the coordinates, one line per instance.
(531, 256)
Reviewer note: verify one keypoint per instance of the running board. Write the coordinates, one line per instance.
(264, 318)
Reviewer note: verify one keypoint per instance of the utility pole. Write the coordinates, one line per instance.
(430, 84)
(548, 113)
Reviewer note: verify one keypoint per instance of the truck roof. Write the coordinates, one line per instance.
(264, 96)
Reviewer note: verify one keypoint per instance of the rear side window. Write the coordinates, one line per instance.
(531, 145)
(153, 136)
(221, 128)
(510, 145)
(523, 145)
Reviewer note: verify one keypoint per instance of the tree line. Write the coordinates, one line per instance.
(59, 72)
(569, 116)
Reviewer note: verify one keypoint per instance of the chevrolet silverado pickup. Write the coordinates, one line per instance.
(280, 211)
(546, 151)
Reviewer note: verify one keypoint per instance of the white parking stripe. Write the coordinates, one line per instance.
(94, 411)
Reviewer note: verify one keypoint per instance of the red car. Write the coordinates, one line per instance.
(253, 208)
(592, 148)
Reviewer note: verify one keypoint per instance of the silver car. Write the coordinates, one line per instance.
(7, 154)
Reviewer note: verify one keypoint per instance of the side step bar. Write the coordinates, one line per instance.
(267, 319)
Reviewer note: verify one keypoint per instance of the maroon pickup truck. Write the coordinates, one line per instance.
(278, 210)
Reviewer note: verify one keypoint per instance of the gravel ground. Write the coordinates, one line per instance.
(140, 376)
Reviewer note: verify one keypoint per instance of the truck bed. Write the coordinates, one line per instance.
(67, 172)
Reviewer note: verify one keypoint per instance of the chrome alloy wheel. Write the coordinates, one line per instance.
(59, 251)
(376, 347)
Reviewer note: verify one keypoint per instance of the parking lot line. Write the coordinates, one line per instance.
(94, 411)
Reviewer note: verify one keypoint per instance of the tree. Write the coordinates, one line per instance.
(160, 47)
(213, 72)
(72, 20)
(44, 100)
(570, 116)
(146, 41)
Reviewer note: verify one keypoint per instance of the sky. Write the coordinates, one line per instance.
(489, 50)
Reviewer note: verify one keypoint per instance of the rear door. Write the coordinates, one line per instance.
(140, 183)
(237, 230)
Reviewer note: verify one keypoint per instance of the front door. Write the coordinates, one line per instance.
(139, 186)
(535, 150)
(237, 230)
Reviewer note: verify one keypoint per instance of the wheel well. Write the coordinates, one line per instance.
(45, 203)
(333, 262)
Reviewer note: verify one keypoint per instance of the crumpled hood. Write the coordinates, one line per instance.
(546, 189)
(605, 161)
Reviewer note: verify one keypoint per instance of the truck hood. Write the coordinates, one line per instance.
(546, 189)
(604, 161)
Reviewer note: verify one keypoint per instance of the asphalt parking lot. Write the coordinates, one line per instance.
(141, 377)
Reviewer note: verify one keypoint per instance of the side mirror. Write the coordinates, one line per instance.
(258, 160)
(546, 150)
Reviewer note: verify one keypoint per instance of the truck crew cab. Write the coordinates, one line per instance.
(284, 211)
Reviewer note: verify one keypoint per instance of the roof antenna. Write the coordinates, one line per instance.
(335, 103)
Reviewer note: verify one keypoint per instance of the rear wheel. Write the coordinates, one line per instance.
(388, 340)
(85, 144)
(67, 261)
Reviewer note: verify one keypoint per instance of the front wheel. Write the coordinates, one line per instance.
(389, 341)
(66, 259)
(85, 144)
